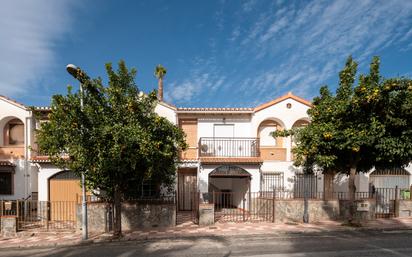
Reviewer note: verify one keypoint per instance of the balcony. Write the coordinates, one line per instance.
(228, 147)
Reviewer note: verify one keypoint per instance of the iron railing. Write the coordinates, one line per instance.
(228, 147)
(271, 181)
(41, 215)
(292, 195)
(241, 207)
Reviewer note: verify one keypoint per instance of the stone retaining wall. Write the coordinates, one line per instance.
(134, 216)
(8, 226)
(292, 210)
(405, 208)
(370, 214)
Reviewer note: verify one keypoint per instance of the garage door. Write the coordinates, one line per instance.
(64, 189)
(390, 178)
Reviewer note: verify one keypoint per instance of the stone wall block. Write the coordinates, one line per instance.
(135, 216)
(8, 226)
(206, 214)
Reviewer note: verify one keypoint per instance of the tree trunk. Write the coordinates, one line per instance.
(328, 192)
(117, 213)
(352, 192)
(160, 89)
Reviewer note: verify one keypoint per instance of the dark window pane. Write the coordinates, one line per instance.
(5, 183)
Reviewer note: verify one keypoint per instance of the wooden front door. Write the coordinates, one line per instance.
(64, 188)
(187, 182)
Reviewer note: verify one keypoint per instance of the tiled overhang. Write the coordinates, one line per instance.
(227, 160)
(6, 164)
(40, 159)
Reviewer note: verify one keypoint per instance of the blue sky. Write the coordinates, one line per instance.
(217, 53)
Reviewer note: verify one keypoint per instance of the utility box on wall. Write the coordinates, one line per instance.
(362, 206)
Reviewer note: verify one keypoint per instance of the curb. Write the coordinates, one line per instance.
(97, 240)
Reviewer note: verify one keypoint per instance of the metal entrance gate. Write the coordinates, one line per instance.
(385, 202)
(41, 215)
(242, 207)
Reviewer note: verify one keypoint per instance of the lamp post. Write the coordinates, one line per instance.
(79, 75)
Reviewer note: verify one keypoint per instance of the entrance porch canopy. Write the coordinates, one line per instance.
(229, 171)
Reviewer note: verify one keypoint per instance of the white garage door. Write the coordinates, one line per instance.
(390, 178)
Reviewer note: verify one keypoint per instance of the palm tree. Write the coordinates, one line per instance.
(159, 73)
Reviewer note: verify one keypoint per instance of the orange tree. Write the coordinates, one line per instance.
(366, 124)
(117, 139)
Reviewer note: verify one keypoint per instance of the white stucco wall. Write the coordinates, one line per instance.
(241, 123)
(280, 113)
(24, 180)
(45, 172)
(284, 116)
(166, 112)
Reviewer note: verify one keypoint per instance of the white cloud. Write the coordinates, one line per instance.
(309, 42)
(30, 32)
(248, 5)
(274, 47)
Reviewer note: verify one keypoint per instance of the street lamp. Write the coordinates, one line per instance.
(78, 74)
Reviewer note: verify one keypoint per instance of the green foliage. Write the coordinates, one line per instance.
(160, 71)
(367, 123)
(116, 139)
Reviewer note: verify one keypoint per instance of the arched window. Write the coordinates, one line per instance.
(14, 132)
(298, 124)
(264, 133)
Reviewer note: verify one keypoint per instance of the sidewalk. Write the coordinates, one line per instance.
(191, 230)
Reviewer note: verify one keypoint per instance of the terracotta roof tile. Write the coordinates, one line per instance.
(7, 164)
(42, 108)
(12, 101)
(282, 98)
(40, 158)
(217, 109)
(43, 158)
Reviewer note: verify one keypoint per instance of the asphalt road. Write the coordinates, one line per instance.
(354, 243)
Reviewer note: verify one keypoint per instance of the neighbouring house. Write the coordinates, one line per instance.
(18, 177)
(230, 150)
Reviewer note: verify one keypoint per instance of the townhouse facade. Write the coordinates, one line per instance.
(230, 150)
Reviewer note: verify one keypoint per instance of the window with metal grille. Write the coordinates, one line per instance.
(6, 183)
(149, 189)
(272, 181)
(304, 182)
